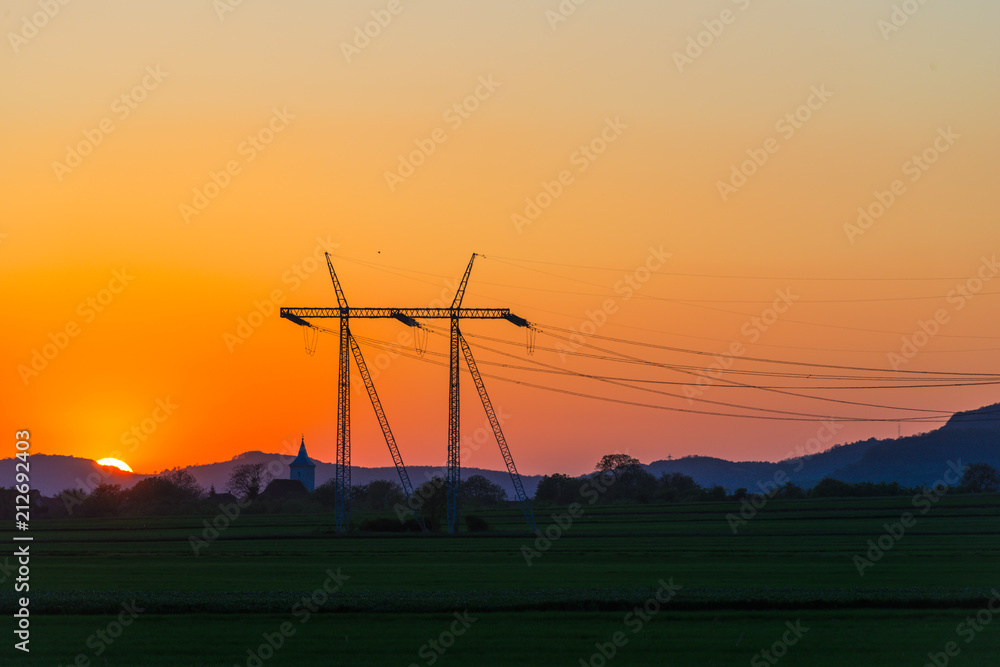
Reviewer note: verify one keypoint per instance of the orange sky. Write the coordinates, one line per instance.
(168, 165)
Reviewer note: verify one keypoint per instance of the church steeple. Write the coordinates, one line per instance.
(303, 468)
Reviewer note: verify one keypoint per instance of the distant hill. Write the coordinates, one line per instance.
(218, 473)
(969, 437)
(51, 473)
(924, 458)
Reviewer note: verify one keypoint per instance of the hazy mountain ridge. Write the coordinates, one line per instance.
(912, 460)
(52, 473)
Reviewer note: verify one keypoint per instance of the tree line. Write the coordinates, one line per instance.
(633, 483)
(178, 492)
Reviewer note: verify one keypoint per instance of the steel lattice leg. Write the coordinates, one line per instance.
(342, 491)
(454, 475)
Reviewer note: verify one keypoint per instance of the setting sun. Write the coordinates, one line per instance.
(116, 463)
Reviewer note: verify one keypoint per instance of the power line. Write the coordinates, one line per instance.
(557, 371)
(675, 409)
(392, 270)
(687, 301)
(711, 275)
(779, 361)
(695, 398)
(692, 304)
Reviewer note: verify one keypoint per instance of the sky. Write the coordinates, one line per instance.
(810, 182)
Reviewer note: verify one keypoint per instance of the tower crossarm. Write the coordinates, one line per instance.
(295, 314)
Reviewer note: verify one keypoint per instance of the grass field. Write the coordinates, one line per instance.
(373, 599)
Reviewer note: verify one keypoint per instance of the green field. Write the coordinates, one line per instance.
(389, 595)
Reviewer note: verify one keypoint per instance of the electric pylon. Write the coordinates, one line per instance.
(409, 317)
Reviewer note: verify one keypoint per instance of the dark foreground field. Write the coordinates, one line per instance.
(661, 584)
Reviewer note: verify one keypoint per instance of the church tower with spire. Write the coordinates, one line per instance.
(303, 468)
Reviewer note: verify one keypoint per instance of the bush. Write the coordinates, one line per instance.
(831, 488)
(475, 524)
(386, 525)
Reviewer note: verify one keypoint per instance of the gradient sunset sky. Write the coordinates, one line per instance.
(168, 167)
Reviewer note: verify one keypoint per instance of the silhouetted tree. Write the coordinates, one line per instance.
(379, 494)
(790, 490)
(559, 489)
(383, 494)
(185, 482)
(980, 478)
(717, 492)
(325, 493)
(247, 480)
(829, 487)
(616, 463)
(9, 502)
(676, 486)
(632, 482)
(477, 491)
(172, 492)
(433, 500)
(105, 500)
